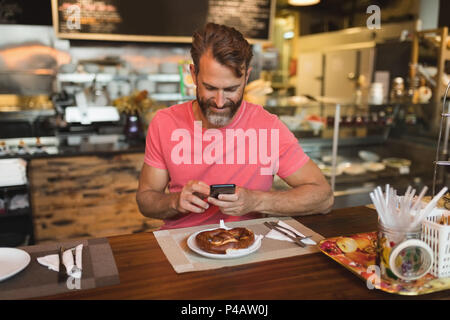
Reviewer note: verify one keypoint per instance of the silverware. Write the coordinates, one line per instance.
(74, 254)
(289, 230)
(62, 276)
(296, 240)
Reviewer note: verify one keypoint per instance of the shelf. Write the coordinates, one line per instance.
(107, 77)
(13, 188)
(164, 77)
(317, 143)
(16, 213)
(170, 97)
(85, 77)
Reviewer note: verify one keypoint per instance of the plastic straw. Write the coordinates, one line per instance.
(430, 206)
(401, 211)
(419, 199)
(379, 197)
(378, 208)
(387, 194)
(405, 206)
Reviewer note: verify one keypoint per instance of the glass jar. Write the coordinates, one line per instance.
(401, 255)
(133, 127)
(376, 95)
(397, 90)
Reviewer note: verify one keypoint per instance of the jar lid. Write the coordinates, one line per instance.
(411, 259)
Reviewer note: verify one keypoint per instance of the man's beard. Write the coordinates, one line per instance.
(218, 119)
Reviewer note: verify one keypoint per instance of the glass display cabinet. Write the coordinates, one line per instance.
(360, 147)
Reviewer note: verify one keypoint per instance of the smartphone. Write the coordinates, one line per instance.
(217, 189)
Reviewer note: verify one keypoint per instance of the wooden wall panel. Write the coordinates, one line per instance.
(87, 196)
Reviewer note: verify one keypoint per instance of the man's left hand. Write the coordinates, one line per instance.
(237, 204)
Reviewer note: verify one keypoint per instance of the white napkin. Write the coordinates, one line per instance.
(274, 234)
(72, 269)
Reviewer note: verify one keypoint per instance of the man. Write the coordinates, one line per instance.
(218, 139)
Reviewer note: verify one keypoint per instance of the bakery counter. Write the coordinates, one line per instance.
(94, 145)
(87, 148)
(357, 177)
(84, 188)
(84, 194)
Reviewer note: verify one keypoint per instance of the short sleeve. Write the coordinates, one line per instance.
(154, 155)
(291, 155)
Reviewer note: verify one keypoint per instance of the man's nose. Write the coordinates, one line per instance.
(220, 99)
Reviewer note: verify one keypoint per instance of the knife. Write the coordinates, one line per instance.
(62, 269)
(296, 240)
(301, 237)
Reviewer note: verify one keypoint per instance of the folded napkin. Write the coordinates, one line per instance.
(72, 269)
(274, 234)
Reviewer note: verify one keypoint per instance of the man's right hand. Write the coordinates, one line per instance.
(188, 199)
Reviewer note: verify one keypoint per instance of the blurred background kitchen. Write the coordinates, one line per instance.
(80, 81)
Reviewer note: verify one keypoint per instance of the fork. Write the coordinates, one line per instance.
(287, 229)
(296, 240)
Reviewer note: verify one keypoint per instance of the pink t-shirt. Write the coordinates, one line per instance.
(248, 152)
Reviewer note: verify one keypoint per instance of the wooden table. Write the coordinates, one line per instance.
(145, 273)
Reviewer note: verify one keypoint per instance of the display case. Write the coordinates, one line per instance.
(373, 145)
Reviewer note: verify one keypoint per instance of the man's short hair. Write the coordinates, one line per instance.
(228, 46)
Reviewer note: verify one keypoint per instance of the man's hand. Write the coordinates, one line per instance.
(189, 199)
(237, 204)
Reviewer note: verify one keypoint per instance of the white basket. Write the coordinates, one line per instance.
(437, 236)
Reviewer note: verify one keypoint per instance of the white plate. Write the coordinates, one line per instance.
(12, 261)
(235, 253)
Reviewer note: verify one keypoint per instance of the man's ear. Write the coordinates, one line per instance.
(248, 74)
(193, 74)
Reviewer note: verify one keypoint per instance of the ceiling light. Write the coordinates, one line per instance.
(303, 2)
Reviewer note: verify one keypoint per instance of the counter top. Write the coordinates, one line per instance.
(103, 149)
(84, 149)
(145, 272)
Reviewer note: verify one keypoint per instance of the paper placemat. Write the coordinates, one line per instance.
(36, 280)
(174, 245)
